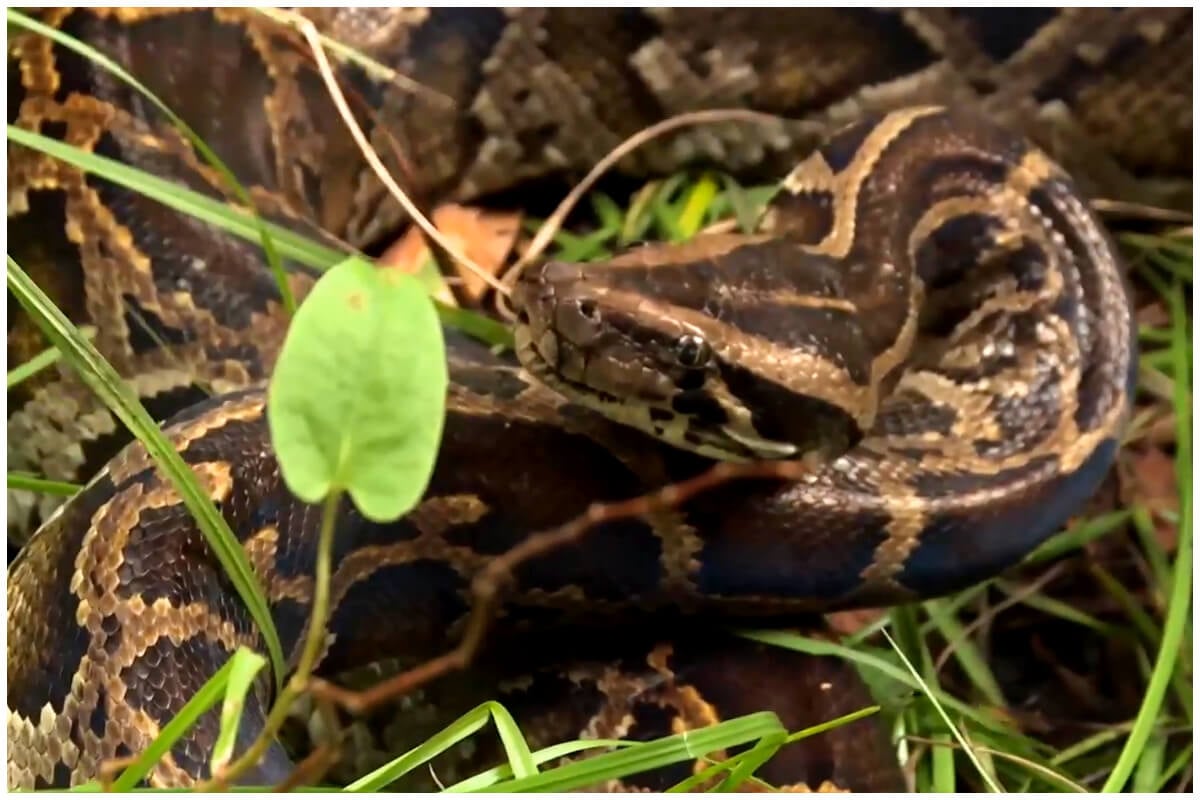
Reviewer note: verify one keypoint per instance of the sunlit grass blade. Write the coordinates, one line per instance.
(102, 379)
(201, 207)
(543, 756)
(764, 751)
(47, 358)
(206, 152)
(696, 204)
(988, 777)
(1174, 629)
(521, 761)
(204, 699)
(647, 756)
(243, 667)
(32, 483)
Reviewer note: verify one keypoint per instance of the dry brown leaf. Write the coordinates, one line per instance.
(1149, 479)
(1154, 314)
(849, 622)
(486, 237)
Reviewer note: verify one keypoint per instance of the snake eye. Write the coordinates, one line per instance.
(691, 351)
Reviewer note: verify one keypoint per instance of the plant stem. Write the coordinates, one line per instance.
(298, 683)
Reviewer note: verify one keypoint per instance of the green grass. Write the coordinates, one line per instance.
(934, 667)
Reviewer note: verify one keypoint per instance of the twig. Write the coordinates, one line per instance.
(488, 583)
(985, 617)
(366, 63)
(377, 166)
(302, 677)
(1140, 211)
(554, 222)
(312, 768)
(111, 767)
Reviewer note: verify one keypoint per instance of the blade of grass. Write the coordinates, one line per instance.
(520, 761)
(1078, 535)
(1176, 766)
(102, 379)
(646, 756)
(1142, 622)
(32, 483)
(207, 153)
(46, 358)
(638, 217)
(696, 203)
(869, 658)
(546, 754)
(180, 198)
(1143, 525)
(1150, 766)
(966, 653)
(199, 703)
(243, 667)
(1179, 601)
(1057, 608)
(967, 749)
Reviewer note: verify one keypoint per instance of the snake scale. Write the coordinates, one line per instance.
(929, 316)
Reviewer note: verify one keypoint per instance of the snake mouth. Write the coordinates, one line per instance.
(721, 442)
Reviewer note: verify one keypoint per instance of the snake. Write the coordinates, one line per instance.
(929, 316)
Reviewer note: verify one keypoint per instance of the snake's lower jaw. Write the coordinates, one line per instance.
(761, 448)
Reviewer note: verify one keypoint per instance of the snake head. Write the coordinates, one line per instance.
(702, 345)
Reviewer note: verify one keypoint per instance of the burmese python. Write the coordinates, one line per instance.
(929, 315)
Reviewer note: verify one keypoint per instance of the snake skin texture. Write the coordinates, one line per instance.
(928, 289)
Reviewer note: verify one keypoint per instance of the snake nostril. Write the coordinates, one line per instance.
(588, 309)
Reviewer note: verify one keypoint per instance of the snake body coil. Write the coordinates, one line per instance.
(929, 315)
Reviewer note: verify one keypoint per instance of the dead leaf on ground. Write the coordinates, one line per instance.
(1149, 480)
(1154, 314)
(850, 622)
(485, 237)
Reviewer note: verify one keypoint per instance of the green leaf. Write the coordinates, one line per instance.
(244, 665)
(102, 379)
(358, 395)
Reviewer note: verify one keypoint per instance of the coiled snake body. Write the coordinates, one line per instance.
(929, 315)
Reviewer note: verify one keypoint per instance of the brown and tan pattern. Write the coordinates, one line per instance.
(929, 315)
